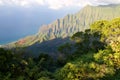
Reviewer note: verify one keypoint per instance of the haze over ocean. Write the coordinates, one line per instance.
(16, 23)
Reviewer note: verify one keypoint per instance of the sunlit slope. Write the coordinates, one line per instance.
(70, 24)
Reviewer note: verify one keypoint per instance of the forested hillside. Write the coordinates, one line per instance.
(94, 55)
(67, 26)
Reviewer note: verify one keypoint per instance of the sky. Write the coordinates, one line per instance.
(56, 4)
(20, 18)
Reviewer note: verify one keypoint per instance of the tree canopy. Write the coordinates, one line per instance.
(93, 55)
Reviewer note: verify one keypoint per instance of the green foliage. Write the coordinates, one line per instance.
(87, 41)
(98, 25)
(18, 68)
(66, 48)
(91, 62)
(93, 55)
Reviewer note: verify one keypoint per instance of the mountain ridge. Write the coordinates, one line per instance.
(70, 24)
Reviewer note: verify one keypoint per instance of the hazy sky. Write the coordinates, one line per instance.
(19, 18)
(56, 4)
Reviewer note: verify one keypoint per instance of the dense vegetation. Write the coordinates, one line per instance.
(97, 53)
(93, 55)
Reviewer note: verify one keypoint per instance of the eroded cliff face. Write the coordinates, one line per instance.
(70, 24)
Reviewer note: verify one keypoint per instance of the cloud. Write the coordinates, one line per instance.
(23, 3)
(57, 4)
(40, 2)
(1, 3)
(108, 1)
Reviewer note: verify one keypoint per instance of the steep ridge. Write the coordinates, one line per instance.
(70, 24)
